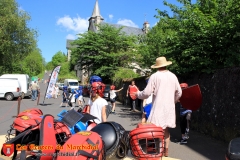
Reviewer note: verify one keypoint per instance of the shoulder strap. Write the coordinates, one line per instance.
(90, 155)
(84, 153)
(23, 155)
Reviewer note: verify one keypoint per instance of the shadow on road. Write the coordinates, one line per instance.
(199, 146)
(135, 117)
(45, 104)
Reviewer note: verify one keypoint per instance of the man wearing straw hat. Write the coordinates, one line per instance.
(166, 92)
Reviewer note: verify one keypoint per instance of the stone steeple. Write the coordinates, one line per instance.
(146, 27)
(96, 17)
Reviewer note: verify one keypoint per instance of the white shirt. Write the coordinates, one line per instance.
(149, 99)
(96, 108)
(112, 94)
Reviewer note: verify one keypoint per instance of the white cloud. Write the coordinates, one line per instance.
(20, 8)
(127, 22)
(71, 36)
(76, 24)
(110, 16)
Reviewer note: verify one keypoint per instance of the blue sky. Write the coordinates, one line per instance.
(59, 20)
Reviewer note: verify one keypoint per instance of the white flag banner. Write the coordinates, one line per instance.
(52, 82)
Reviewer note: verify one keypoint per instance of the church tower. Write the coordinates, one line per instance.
(146, 27)
(96, 18)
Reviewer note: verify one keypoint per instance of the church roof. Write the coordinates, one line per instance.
(127, 29)
(69, 43)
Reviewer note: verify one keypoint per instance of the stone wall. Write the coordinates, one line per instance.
(219, 115)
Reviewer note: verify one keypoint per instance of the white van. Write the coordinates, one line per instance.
(71, 83)
(10, 88)
(24, 81)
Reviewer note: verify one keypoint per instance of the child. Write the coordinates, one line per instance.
(72, 99)
(97, 103)
(79, 96)
(147, 105)
(185, 116)
(146, 112)
(65, 95)
(113, 96)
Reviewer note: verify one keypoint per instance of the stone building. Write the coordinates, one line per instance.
(97, 19)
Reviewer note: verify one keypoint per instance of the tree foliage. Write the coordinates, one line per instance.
(33, 64)
(200, 37)
(123, 73)
(60, 58)
(17, 40)
(103, 52)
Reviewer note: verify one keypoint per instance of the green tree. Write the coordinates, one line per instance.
(123, 73)
(200, 37)
(49, 66)
(58, 58)
(33, 64)
(17, 39)
(103, 52)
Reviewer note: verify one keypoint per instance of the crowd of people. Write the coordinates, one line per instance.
(72, 96)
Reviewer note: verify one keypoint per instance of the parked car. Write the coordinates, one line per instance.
(24, 81)
(71, 83)
(106, 93)
(60, 86)
(10, 88)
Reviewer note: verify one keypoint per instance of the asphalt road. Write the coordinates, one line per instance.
(199, 147)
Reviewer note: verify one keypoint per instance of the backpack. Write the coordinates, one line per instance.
(87, 145)
(61, 131)
(21, 123)
(27, 119)
(31, 112)
(36, 137)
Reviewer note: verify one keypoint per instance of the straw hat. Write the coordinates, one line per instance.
(161, 62)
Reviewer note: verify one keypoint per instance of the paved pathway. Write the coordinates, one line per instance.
(199, 147)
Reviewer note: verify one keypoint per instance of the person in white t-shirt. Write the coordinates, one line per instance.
(97, 103)
(113, 96)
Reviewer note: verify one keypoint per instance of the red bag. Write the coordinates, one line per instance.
(21, 123)
(41, 135)
(85, 109)
(31, 111)
(84, 145)
(147, 141)
(62, 132)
